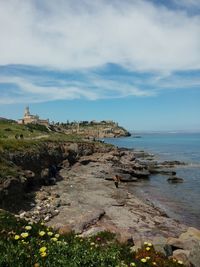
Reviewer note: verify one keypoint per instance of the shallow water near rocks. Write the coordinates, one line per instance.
(179, 201)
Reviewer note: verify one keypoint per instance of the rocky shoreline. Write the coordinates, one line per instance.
(85, 199)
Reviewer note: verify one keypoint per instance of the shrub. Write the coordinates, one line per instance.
(37, 127)
(24, 244)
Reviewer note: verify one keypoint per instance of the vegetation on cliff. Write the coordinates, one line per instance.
(94, 129)
(23, 244)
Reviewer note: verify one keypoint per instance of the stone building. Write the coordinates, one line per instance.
(29, 118)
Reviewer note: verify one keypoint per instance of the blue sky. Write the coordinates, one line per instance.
(135, 62)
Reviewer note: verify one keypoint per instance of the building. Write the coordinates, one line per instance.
(29, 118)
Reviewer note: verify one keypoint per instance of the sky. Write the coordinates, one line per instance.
(136, 62)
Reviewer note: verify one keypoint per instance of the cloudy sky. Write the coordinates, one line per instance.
(136, 62)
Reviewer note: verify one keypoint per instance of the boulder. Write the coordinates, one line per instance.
(175, 243)
(65, 229)
(188, 241)
(125, 238)
(182, 255)
(175, 179)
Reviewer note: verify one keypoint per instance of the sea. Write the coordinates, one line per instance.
(180, 201)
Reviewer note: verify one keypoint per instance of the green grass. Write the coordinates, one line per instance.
(21, 246)
(10, 129)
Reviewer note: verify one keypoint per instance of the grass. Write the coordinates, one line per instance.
(32, 136)
(10, 129)
(35, 139)
(23, 244)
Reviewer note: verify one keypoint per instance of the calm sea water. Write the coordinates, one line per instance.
(180, 201)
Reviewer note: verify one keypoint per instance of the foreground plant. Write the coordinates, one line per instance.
(23, 244)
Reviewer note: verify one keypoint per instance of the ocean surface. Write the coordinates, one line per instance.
(180, 201)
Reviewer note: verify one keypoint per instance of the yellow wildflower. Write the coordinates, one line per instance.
(43, 254)
(149, 244)
(28, 227)
(145, 243)
(24, 235)
(148, 258)
(41, 233)
(43, 249)
(54, 239)
(57, 235)
(148, 248)
(17, 237)
(92, 243)
(154, 263)
(143, 260)
(36, 265)
(132, 264)
(50, 233)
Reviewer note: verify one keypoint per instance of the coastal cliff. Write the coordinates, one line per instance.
(93, 129)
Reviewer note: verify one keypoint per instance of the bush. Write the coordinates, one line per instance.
(38, 127)
(24, 244)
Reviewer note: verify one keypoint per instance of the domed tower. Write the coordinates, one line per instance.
(26, 112)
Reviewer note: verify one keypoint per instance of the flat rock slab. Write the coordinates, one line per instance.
(89, 201)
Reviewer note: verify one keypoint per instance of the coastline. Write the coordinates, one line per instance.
(180, 200)
(86, 200)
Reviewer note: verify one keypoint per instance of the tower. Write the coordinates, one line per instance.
(26, 112)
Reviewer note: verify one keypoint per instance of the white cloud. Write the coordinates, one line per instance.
(85, 33)
(25, 90)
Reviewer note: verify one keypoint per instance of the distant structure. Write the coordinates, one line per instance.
(28, 118)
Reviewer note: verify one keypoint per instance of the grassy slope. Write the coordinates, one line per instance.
(33, 136)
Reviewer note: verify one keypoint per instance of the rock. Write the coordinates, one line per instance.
(175, 243)
(182, 255)
(22, 215)
(191, 233)
(175, 179)
(92, 231)
(29, 174)
(47, 218)
(125, 238)
(65, 164)
(55, 195)
(55, 212)
(159, 243)
(171, 163)
(128, 178)
(141, 173)
(64, 229)
(189, 241)
(88, 220)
